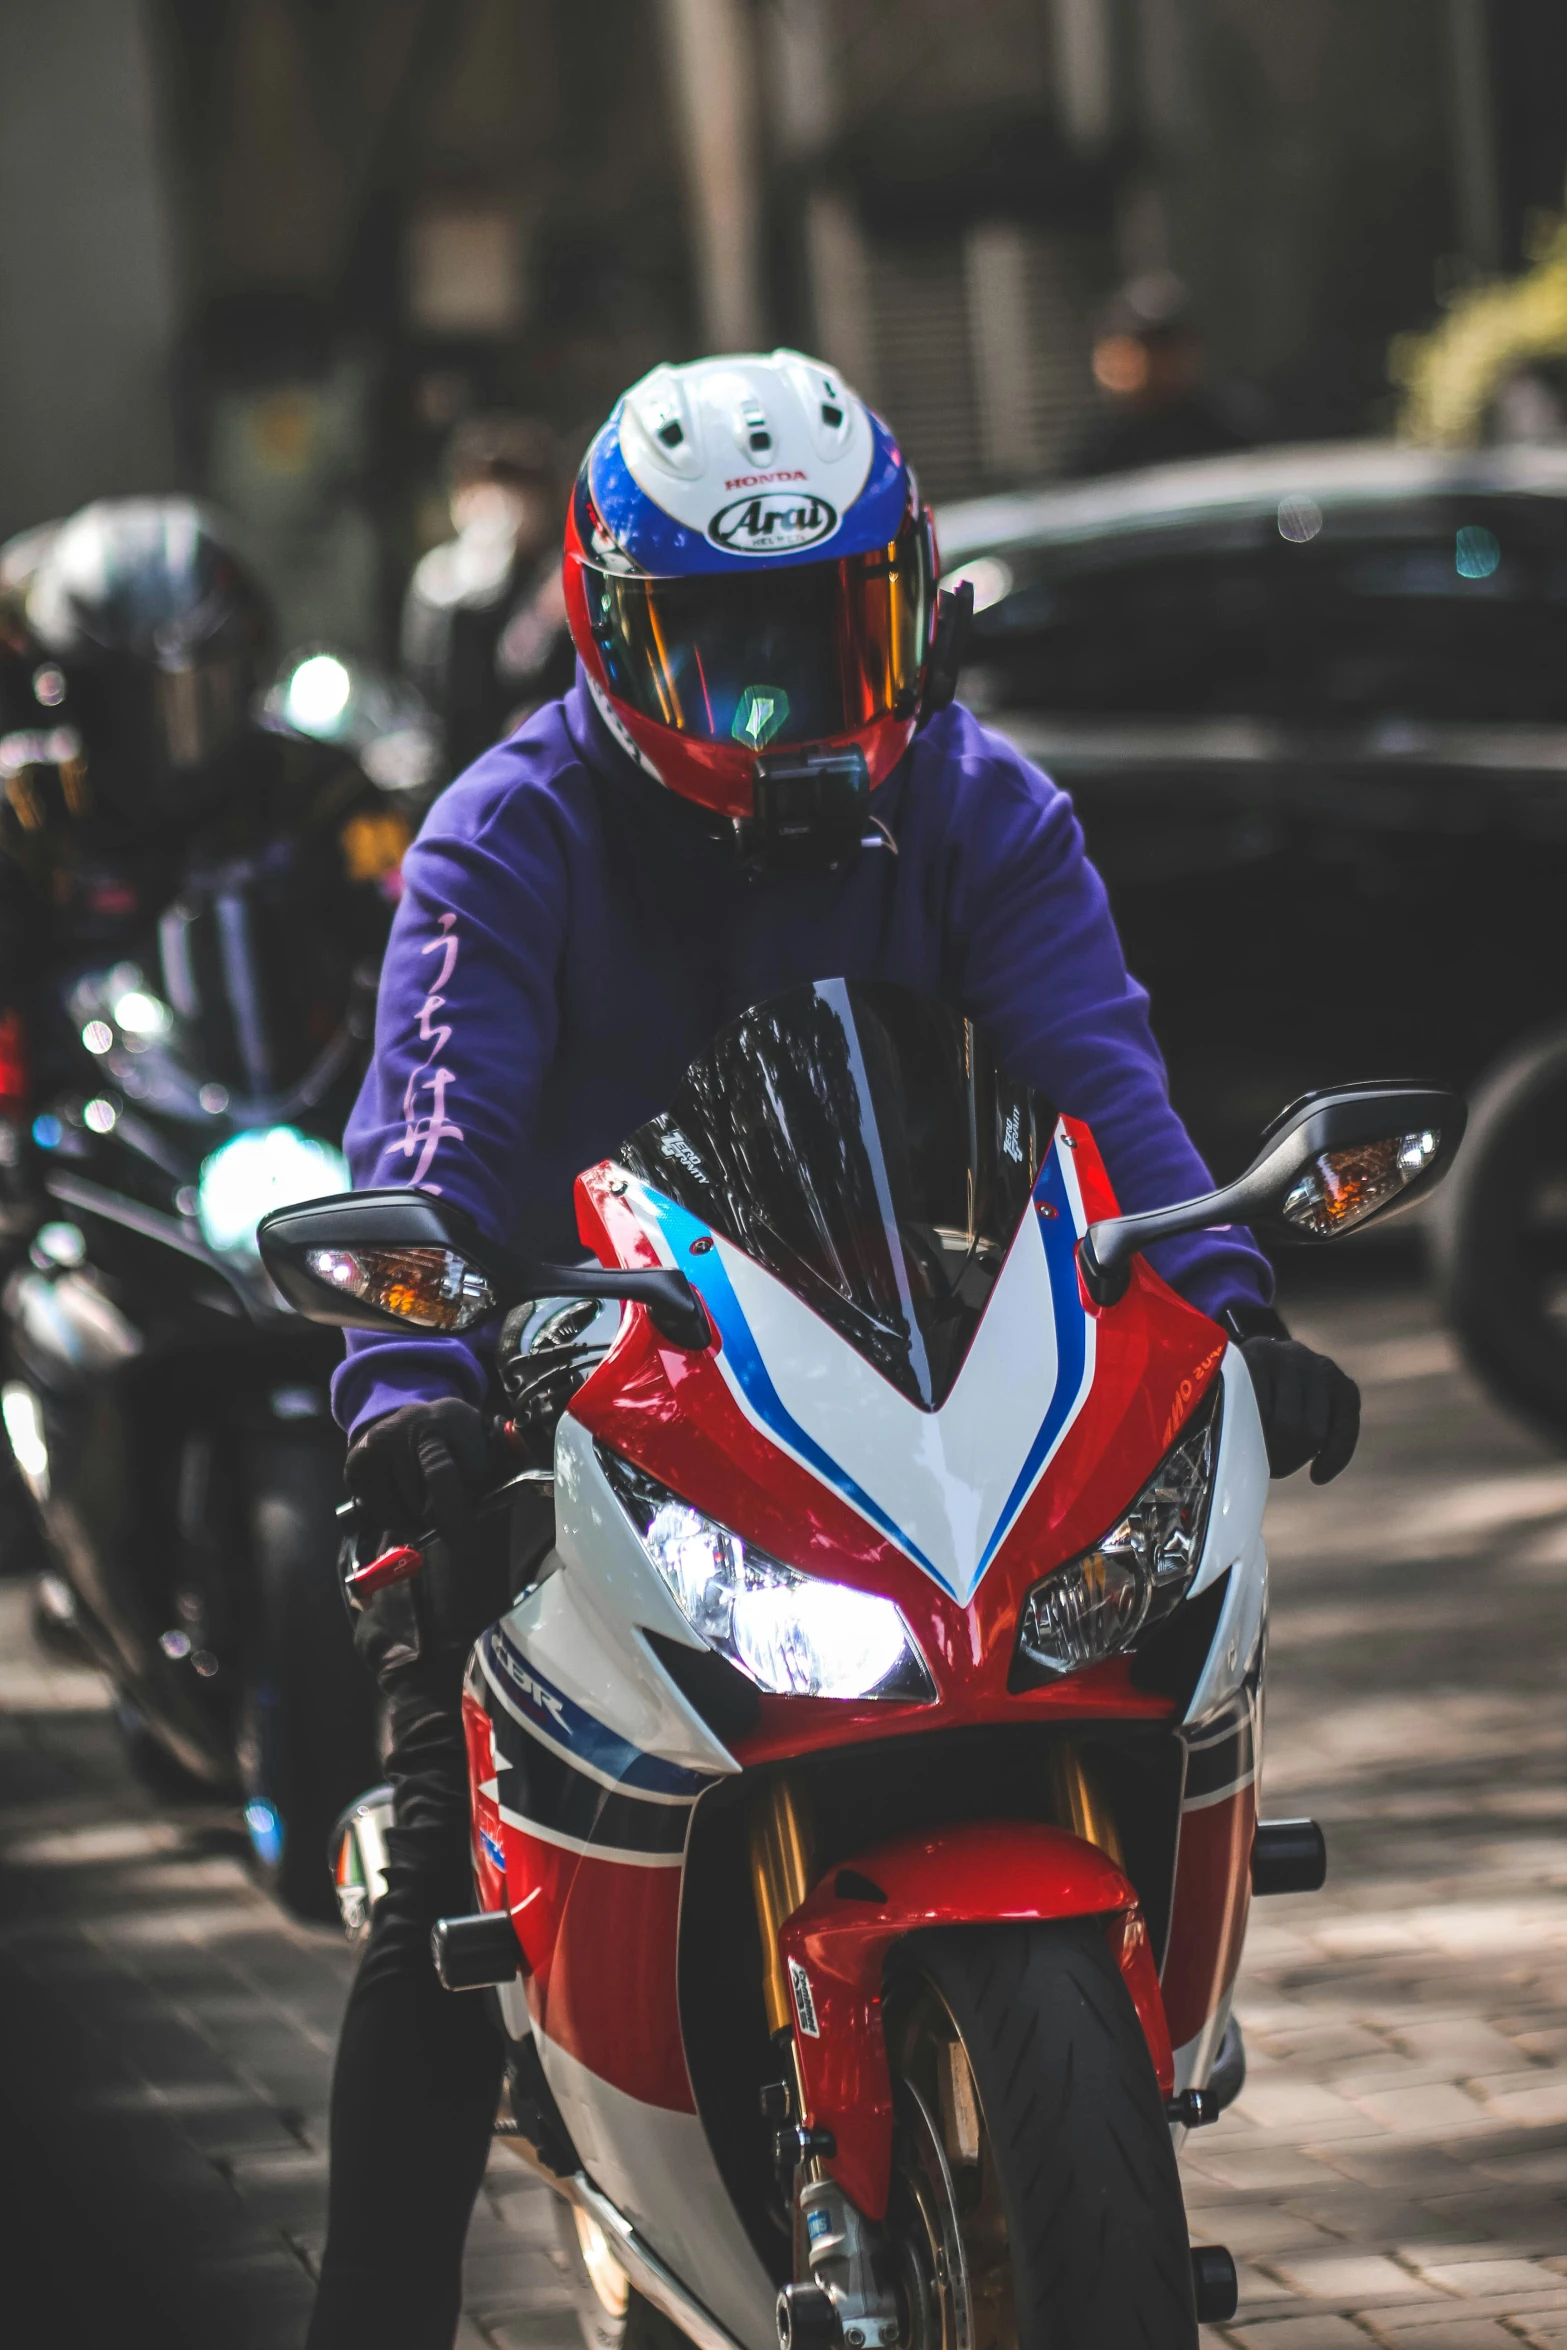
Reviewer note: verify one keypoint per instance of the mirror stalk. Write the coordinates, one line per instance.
(673, 1307)
(1330, 1164)
(325, 1257)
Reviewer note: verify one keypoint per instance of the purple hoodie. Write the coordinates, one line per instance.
(571, 936)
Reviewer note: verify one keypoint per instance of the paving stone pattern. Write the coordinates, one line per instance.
(1395, 2173)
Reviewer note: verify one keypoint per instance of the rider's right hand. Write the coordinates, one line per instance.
(414, 1475)
(1310, 1409)
(415, 1470)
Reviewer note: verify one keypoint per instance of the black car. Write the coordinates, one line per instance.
(1311, 704)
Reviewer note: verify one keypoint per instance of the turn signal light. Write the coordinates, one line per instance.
(1344, 1187)
(433, 1288)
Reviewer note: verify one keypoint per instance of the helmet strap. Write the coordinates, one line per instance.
(948, 645)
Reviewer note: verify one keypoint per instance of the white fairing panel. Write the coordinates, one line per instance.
(1237, 1655)
(944, 1477)
(580, 1627)
(657, 2167)
(1234, 1545)
(945, 1485)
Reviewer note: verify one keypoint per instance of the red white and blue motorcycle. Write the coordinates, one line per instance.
(864, 1778)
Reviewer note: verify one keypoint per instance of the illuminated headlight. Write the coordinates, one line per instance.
(1099, 1603)
(792, 1634)
(246, 1178)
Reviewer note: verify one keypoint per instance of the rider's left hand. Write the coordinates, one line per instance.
(1310, 1408)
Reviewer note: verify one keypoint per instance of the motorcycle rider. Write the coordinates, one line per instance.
(758, 778)
(132, 641)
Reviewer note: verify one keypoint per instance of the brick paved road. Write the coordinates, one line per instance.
(1397, 2170)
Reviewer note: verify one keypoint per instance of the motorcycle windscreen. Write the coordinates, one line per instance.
(861, 1142)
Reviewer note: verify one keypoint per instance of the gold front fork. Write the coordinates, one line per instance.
(782, 1866)
(1079, 1804)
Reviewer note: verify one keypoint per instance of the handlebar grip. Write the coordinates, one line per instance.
(396, 1565)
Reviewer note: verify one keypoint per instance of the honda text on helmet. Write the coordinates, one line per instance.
(750, 581)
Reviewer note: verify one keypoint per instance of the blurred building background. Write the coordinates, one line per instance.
(276, 249)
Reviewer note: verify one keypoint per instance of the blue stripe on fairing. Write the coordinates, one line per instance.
(706, 1275)
(1059, 1234)
(567, 1725)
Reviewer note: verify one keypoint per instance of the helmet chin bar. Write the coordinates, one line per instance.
(813, 810)
(813, 807)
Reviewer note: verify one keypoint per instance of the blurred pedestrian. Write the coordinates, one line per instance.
(484, 633)
(1150, 368)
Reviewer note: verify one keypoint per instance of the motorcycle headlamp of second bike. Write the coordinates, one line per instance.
(794, 1635)
(1099, 1604)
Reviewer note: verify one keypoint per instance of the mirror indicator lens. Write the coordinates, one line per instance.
(1344, 1187)
(433, 1288)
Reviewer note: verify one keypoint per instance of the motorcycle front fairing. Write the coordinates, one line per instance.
(909, 1395)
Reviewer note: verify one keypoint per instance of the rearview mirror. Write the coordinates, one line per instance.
(378, 1260)
(1327, 1165)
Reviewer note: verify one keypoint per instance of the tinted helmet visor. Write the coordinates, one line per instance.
(791, 654)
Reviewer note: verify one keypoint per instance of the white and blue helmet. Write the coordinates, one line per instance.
(749, 570)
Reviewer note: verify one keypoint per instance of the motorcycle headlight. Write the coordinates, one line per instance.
(1100, 1602)
(251, 1174)
(794, 1635)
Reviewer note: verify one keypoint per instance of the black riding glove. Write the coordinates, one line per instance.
(414, 1475)
(414, 1471)
(1310, 1409)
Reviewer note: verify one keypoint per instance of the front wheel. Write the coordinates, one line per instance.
(1036, 2203)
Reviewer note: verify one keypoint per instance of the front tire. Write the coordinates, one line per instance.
(1036, 2203)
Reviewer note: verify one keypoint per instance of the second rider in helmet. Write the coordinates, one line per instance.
(758, 779)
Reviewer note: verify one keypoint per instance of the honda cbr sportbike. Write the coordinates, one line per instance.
(864, 1779)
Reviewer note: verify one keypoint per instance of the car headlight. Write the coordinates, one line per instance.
(792, 1634)
(251, 1174)
(1100, 1602)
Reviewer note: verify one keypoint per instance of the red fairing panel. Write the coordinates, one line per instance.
(600, 1941)
(836, 1951)
(1208, 1916)
(675, 1416)
(609, 1995)
(489, 1859)
(1211, 1896)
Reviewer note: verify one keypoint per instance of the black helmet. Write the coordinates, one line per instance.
(151, 637)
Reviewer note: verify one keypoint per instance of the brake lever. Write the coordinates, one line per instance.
(398, 1565)
(406, 1559)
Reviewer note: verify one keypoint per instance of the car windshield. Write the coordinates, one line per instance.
(1451, 608)
(862, 1143)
